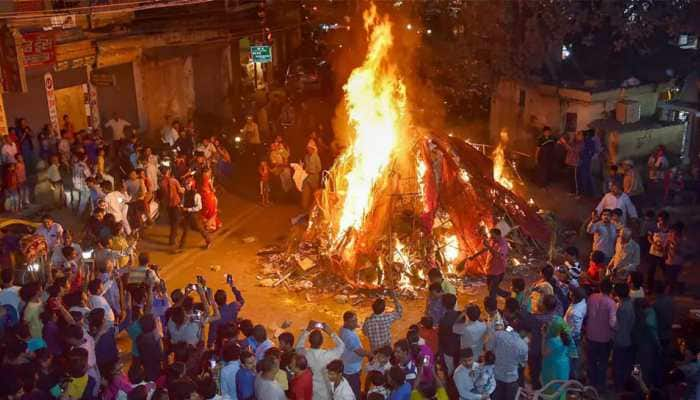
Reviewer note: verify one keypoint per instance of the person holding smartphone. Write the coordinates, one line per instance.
(229, 311)
(319, 358)
(188, 328)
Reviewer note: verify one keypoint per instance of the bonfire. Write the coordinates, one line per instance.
(402, 199)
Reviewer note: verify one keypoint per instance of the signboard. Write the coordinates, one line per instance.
(38, 48)
(261, 54)
(51, 100)
(12, 61)
(3, 118)
(103, 79)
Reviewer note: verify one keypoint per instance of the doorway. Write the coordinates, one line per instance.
(71, 101)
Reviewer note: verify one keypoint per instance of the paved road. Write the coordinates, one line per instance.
(269, 306)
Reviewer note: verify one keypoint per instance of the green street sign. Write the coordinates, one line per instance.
(261, 54)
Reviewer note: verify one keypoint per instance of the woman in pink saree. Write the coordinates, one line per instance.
(210, 212)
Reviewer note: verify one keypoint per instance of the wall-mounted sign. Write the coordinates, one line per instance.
(103, 79)
(51, 100)
(261, 54)
(38, 48)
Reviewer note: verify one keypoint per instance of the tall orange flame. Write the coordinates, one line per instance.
(499, 161)
(376, 103)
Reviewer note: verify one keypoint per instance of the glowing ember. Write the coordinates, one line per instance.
(376, 100)
(450, 251)
(499, 162)
(464, 175)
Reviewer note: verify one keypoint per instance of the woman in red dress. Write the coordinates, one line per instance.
(210, 212)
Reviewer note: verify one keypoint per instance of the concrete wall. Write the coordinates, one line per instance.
(32, 104)
(639, 144)
(212, 81)
(168, 90)
(548, 105)
(119, 98)
(523, 123)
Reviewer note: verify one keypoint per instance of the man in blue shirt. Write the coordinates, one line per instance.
(400, 389)
(229, 311)
(232, 365)
(245, 377)
(354, 353)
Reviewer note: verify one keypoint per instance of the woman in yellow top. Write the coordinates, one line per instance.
(31, 295)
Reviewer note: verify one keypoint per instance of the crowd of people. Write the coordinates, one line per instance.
(61, 326)
(127, 179)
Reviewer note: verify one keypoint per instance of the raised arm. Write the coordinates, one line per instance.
(299, 346)
(237, 294)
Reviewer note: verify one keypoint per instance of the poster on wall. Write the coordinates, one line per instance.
(51, 100)
(38, 49)
(3, 118)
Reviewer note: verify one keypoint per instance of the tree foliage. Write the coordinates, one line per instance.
(476, 43)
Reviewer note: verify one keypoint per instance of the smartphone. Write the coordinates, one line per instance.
(212, 363)
(229, 279)
(192, 286)
(426, 360)
(509, 328)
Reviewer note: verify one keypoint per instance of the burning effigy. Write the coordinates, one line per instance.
(402, 199)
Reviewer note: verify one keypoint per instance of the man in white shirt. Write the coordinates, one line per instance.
(117, 125)
(319, 358)
(465, 376)
(616, 198)
(169, 134)
(117, 205)
(97, 300)
(51, 231)
(191, 206)
(339, 385)
(627, 255)
(604, 233)
(9, 150)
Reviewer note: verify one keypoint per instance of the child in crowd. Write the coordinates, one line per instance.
(596, 268)
(264, 172)
(646, 227)
(519, 294)
(428, 333)
(485, 383)
(616, 219)
(11, 188)
(635, 280)
(493, 316)
(433, 305)
(376, 384)
(23, 186)
(380, 361)
(573, 264)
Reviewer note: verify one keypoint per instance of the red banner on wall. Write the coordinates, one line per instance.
(39, 49)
